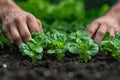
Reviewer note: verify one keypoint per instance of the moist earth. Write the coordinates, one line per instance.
(15, 66)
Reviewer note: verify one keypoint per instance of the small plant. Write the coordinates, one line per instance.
(111, 45)
(82, 45)
(58, 43)
(34, 48)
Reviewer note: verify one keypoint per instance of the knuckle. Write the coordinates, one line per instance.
(26, 35)
(23, 36)
(90, 30)
(36, 30)
(30, 16)
(96, 42)
(16, 38)
(112, 35)
(107, 24)
(100, 33)
(19, 19)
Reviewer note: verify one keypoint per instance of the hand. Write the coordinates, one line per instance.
(99, 27)
(17, 25)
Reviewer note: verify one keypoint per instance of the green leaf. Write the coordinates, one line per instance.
(51, 51)
(39, 49)
(60, 56)
(85, 57)
(106, 36)
(117, 36)
(74, 50)
(94, 49)
(29, 53)
(23, 47)
(39, 57)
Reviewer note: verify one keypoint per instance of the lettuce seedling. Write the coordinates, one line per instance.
(34, 48)
(57, 45)
(83, 46)
(111, 46)
(31, 50)
(77, 35)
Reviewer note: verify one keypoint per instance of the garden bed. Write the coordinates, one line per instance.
(67, 16)
(14, 66)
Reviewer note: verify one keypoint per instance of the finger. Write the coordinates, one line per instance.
(40, 26)
(7, 33)
(23, 30)
(92, 29)
(112, 32)
(100, 33)
(15, 34)
(117, 28)
(32, 24)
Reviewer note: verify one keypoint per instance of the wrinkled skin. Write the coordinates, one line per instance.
(17, 25)
(107, 23)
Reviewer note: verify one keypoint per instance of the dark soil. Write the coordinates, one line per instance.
(101, 67)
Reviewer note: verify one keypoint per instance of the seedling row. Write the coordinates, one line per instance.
(77, 43)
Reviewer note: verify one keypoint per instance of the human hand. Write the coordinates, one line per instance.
(17, 25)
(100, 26)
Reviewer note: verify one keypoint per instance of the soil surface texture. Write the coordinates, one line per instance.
(14, 66)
